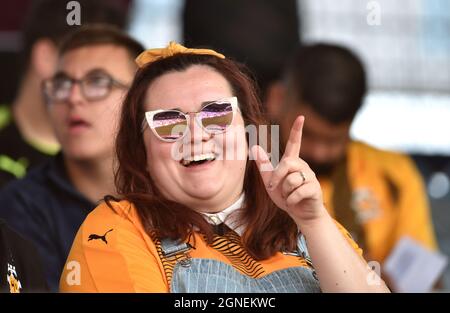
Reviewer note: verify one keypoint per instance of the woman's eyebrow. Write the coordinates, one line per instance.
(205, 103)
(202, 105)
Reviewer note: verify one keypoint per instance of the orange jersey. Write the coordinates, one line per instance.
(113, 253)
(388, 197)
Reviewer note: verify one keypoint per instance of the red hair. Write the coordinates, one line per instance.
(268, 229)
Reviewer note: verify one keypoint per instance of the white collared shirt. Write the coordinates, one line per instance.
(224, 216)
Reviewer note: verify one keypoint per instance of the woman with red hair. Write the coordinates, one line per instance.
(196, 209)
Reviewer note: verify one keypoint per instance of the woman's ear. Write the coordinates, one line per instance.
(44, 57)
(274, 100)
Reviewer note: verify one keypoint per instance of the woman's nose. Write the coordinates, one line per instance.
(196, 131)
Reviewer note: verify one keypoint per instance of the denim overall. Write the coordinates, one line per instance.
(192, 275)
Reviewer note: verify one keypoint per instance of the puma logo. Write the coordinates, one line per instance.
(103, 238)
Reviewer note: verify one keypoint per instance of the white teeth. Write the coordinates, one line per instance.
(200, 157)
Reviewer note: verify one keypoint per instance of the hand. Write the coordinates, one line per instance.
(292, 185)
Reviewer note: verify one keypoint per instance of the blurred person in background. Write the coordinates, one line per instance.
(26, 136)
(257, 33)
(95, 65)
(378, 196)
(20, 265)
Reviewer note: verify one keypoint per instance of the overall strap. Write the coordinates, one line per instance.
(170, 252)
(171, 247)
(303, 249)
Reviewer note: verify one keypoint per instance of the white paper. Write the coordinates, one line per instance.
(413, 268)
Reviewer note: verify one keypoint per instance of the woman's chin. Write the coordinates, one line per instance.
(204, 191)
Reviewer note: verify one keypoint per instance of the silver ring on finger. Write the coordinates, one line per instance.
(303, 176)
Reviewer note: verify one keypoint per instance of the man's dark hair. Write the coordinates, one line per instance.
(255, 32)
(98, 34)
(329, 79)
(47, 19)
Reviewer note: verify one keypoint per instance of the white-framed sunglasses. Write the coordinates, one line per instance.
(171, 125)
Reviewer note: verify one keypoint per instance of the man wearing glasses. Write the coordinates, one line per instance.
(84, 98)
(26, 136)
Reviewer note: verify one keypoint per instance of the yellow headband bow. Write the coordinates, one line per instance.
(151, 55)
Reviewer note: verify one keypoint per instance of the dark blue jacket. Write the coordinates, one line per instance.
(46, 209)
(20, 264)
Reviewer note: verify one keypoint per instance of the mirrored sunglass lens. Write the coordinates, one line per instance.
(169, 125)
(217, 116)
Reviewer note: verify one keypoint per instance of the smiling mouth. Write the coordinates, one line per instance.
(198, 159)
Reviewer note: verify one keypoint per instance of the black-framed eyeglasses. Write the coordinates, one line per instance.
(95, 85)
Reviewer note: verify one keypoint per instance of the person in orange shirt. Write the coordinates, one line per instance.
(200, 211)
(377, 195)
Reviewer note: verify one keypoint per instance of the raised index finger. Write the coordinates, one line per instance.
(294, 142)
